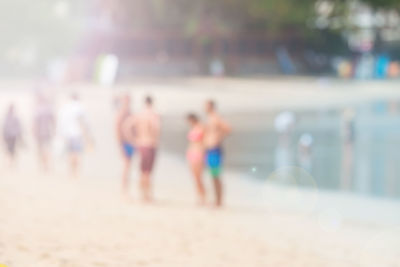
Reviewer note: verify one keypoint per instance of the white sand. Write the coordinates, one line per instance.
(53, 220)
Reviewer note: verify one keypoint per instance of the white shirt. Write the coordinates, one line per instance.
(283, 121)
(72, 118)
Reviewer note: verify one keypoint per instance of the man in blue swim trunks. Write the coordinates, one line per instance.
(217, 130)
(127, 148)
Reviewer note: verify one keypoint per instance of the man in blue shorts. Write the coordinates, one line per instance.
(127, 148)
(217, 130)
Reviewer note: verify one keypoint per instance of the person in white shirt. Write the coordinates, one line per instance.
(74, 130)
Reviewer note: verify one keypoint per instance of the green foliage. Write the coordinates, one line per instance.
(34, 22)
(230, 15)
(394, 4)
(221, 16)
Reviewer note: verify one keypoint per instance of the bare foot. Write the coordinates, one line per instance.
(218, 206)
(147, 200)
(126, 197)
(201, 202)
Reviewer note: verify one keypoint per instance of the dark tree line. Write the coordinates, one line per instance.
(35, 26)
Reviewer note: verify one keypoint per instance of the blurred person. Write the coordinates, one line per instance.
(344, 69)
(216, 130)
(43, 128)
(75, 131)
(284, 124)
(348, 137)
(285, 61)
(305, 145)
(145, 136)
(217, 67)
(195, 154)
(394, 69)
(12, 133)
(127, 147)
(364, 69)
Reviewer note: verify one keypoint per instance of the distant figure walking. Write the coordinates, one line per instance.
(284, 124)
(43, 128)
(127, 148)
(348, 143)
(145, 136)
(12, 133)
(216, 132)
(75, 131)
(196, 153)
(305, 149)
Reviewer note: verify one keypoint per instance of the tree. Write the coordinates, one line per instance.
(383, 4)
(225, 16)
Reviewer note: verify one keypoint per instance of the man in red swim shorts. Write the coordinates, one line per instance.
(147, 132)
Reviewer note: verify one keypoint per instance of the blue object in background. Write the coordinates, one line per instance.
(381, 66)
(285, 61)
(380, 107)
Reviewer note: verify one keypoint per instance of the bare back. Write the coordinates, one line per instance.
(147, 129)
(121, 119)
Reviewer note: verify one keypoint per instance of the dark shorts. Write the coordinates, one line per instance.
(129, 150)
(11, 144)
(43, 141)
(214, 161)
(75, 145)
(148, 155)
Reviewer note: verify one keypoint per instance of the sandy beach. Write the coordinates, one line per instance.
(51, 219)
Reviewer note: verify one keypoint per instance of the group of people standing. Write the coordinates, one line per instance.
(142, 131)
(135, 132)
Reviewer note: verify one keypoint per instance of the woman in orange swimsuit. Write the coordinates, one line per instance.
(195, 153)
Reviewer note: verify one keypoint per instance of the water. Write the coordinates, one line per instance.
(358, 153)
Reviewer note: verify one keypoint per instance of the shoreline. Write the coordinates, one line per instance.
(348, 206)
(245, 95)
